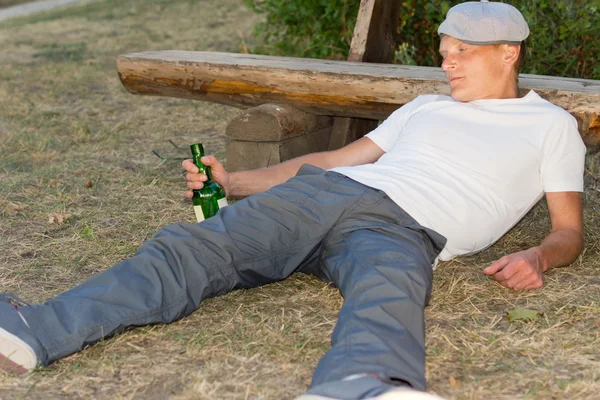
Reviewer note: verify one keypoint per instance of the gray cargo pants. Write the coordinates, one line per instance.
(318, 222)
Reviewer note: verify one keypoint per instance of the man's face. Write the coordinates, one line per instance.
(474, 72)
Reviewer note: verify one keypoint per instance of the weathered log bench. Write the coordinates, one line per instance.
(294, 106)
(289, 102)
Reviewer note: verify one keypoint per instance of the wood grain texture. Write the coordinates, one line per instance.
(373, 36)
(372, 41)
(335, 88)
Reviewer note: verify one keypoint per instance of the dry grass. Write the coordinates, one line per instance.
(65, 121)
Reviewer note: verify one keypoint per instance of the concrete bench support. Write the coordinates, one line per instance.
(271, 133)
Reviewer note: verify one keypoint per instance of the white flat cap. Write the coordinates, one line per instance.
(483, 22)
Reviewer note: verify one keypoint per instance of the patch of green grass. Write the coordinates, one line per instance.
(87, 233)
(57, 52)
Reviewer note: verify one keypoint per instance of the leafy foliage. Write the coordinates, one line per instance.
(564, 38)
(563, 41)
(305, 28)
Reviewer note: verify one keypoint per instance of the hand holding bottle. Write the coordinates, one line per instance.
(211, 197)
(195, 180)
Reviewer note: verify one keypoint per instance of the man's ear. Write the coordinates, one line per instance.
(511, 54)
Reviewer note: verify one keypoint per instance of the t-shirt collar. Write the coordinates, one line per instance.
(531, 95)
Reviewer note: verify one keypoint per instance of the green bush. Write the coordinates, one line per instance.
(564, 40)
(305, 28)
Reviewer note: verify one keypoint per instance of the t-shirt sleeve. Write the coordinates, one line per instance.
(563, 160)
(390, 130)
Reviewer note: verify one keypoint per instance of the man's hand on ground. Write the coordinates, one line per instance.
(519, 271)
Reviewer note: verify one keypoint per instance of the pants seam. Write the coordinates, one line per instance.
(350, 322)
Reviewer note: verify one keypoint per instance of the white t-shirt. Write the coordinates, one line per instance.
(471, 171)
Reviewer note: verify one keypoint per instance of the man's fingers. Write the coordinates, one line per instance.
(508, 271)
(195, 177)
(195, 185)
(189, 166)
(211, 161)
(535, 285)
(517, 281)
(522, 279)
(496, 266)
(195, 180)
(526, 284)
(516, 271)
(188, 194)
(529, 280)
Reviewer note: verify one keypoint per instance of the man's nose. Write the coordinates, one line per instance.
(448, 63)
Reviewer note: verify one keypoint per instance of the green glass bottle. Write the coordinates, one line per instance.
(208, 200)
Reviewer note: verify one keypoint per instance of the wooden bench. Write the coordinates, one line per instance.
(293, 106)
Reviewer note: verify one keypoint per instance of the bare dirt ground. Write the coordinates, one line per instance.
(73, 142)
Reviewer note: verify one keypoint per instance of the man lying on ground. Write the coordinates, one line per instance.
(441, 177)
